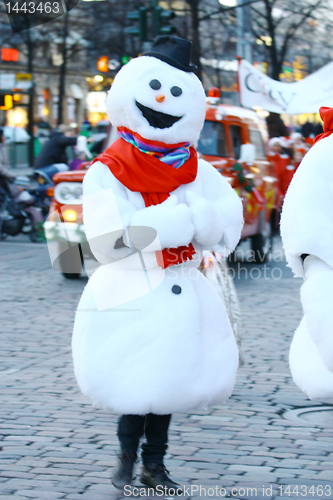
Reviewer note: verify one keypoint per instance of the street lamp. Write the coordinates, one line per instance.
(228, 3)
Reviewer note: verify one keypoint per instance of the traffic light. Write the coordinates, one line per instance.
(125, 60)
(102, 64)
(140, 29)
(161, 18)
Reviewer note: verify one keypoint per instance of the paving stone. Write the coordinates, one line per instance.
(40, 494)
(16, 474)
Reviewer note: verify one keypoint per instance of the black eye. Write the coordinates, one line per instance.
(176, 91)
(155, 84)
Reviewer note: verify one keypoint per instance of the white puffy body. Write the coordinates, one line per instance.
(307, 228)
(139, 349)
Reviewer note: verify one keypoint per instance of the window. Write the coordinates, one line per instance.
(236, 140)
(212, 141)
(256, 140)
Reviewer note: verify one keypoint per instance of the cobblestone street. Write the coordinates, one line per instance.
(55, 445)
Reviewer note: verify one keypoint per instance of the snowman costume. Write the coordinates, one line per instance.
(307, 234)
(151, 336)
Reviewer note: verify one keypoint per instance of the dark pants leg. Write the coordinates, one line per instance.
(130, 430)
(156, 431)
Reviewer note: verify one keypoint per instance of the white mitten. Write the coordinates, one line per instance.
(208, 225)
(82, 147)
(171, 221)
(317, 300)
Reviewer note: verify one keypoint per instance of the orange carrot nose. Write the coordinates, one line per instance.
(160, 98)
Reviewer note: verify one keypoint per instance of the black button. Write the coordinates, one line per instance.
(176, 289)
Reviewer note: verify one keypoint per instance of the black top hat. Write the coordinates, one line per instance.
(172, 50)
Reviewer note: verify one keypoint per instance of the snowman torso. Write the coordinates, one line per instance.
(307, 228)
(306, 221)
(147, 338)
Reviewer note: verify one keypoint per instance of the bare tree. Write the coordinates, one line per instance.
(65, 30)
(278, 25)
(28, 40)
(107, 35)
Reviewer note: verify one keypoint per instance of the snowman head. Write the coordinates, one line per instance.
(157, 95)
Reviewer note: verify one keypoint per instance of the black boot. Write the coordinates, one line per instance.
(155, 474)
(123, 473)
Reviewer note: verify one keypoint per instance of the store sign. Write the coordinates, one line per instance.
(7, 80)
(96, 102)
(57, 59)
(113, 64)
(6, 102)
(9, 54)
(23, 81)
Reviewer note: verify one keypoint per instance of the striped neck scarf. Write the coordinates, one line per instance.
(174, 155)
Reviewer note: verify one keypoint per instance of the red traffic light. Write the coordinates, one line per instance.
(102, 64)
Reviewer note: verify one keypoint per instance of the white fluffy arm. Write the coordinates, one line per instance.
(171, 221)
(207, 220)
(317, 300)
(106, 213)
(218, 213)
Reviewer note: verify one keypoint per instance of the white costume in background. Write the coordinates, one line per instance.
(307, 228)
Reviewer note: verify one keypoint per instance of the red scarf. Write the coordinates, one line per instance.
(155, 180)
(326, 114)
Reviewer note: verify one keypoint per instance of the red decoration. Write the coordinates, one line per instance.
(173, 256)
(326, 115)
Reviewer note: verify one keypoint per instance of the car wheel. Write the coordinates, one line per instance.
(71, 276)
(262, 243)
(71, 260)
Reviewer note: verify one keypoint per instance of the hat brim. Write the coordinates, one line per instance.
(170, 60)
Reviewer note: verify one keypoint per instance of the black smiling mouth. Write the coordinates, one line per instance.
(157, 119)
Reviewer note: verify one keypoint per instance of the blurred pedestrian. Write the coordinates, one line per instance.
(307, 129)
(299, 148)
(54, 150)
(283, 167)
(275, 125)
(4, 160)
